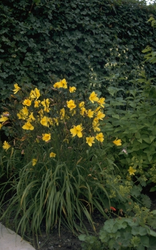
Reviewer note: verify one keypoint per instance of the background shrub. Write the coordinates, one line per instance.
(78, 40)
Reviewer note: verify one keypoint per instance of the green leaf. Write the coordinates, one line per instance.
(116, 116)
(139, 231)
(145, 241)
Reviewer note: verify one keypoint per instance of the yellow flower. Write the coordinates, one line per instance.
(27, 102)
(46, 104)
(100, 115)
(72, 89)
(117, 142)
(50, 120)
(71, 104)
(44, 121)
(28, 126)
(35, 94)
(100, 137)
(81, 104)
(62, 113)
(131, 171)
(16, 88)
(46, 137)
(1, 125)
(36, 103)
(96, 125)
(76, 130)
(52, 155)
(41, 112)
(96, 128)
(96, 121)
(3, 119)
(31, 117)
(34, 161)
(93, 97)
(97, 109)
(90, 140)
(101, 101)
(20, 116)
(90, 113)
(83, 111)
(23, 113)
(6, 145)
(56, 121)
(63, 83)
(57, 85)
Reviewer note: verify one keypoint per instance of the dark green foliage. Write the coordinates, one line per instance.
(46, 40)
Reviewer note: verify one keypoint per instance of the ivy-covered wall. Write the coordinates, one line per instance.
(45, 40)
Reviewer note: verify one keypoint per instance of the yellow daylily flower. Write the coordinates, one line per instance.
(31, 117)
(62, 113)
(100, 115)
(6, 145)
(16, 88)
(34, 161)
(101, 101)
(90, 113)
(45, 121)
(71, 104)
(27, 102)
(96, 128)
(63, 83)
(23, 113)
(52, 155)
(28, 126)
(35, 94)
(46, 104)
(3, 119)
(57, 85)
(46, 137)
(72, 89)
(81, 104)
(56, 121)
(90, 140)
(36, 103)
(76, 130)
(100, 137)
(83, 111)
(93, 97)
(117, 142)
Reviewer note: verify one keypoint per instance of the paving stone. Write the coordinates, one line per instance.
(9, 240)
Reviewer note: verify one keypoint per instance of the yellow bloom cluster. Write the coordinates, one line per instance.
(96, 115)
(77, 118)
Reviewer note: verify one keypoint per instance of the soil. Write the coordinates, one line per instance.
(66, 240)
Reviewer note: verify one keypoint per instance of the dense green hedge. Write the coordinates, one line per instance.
(44, 40)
